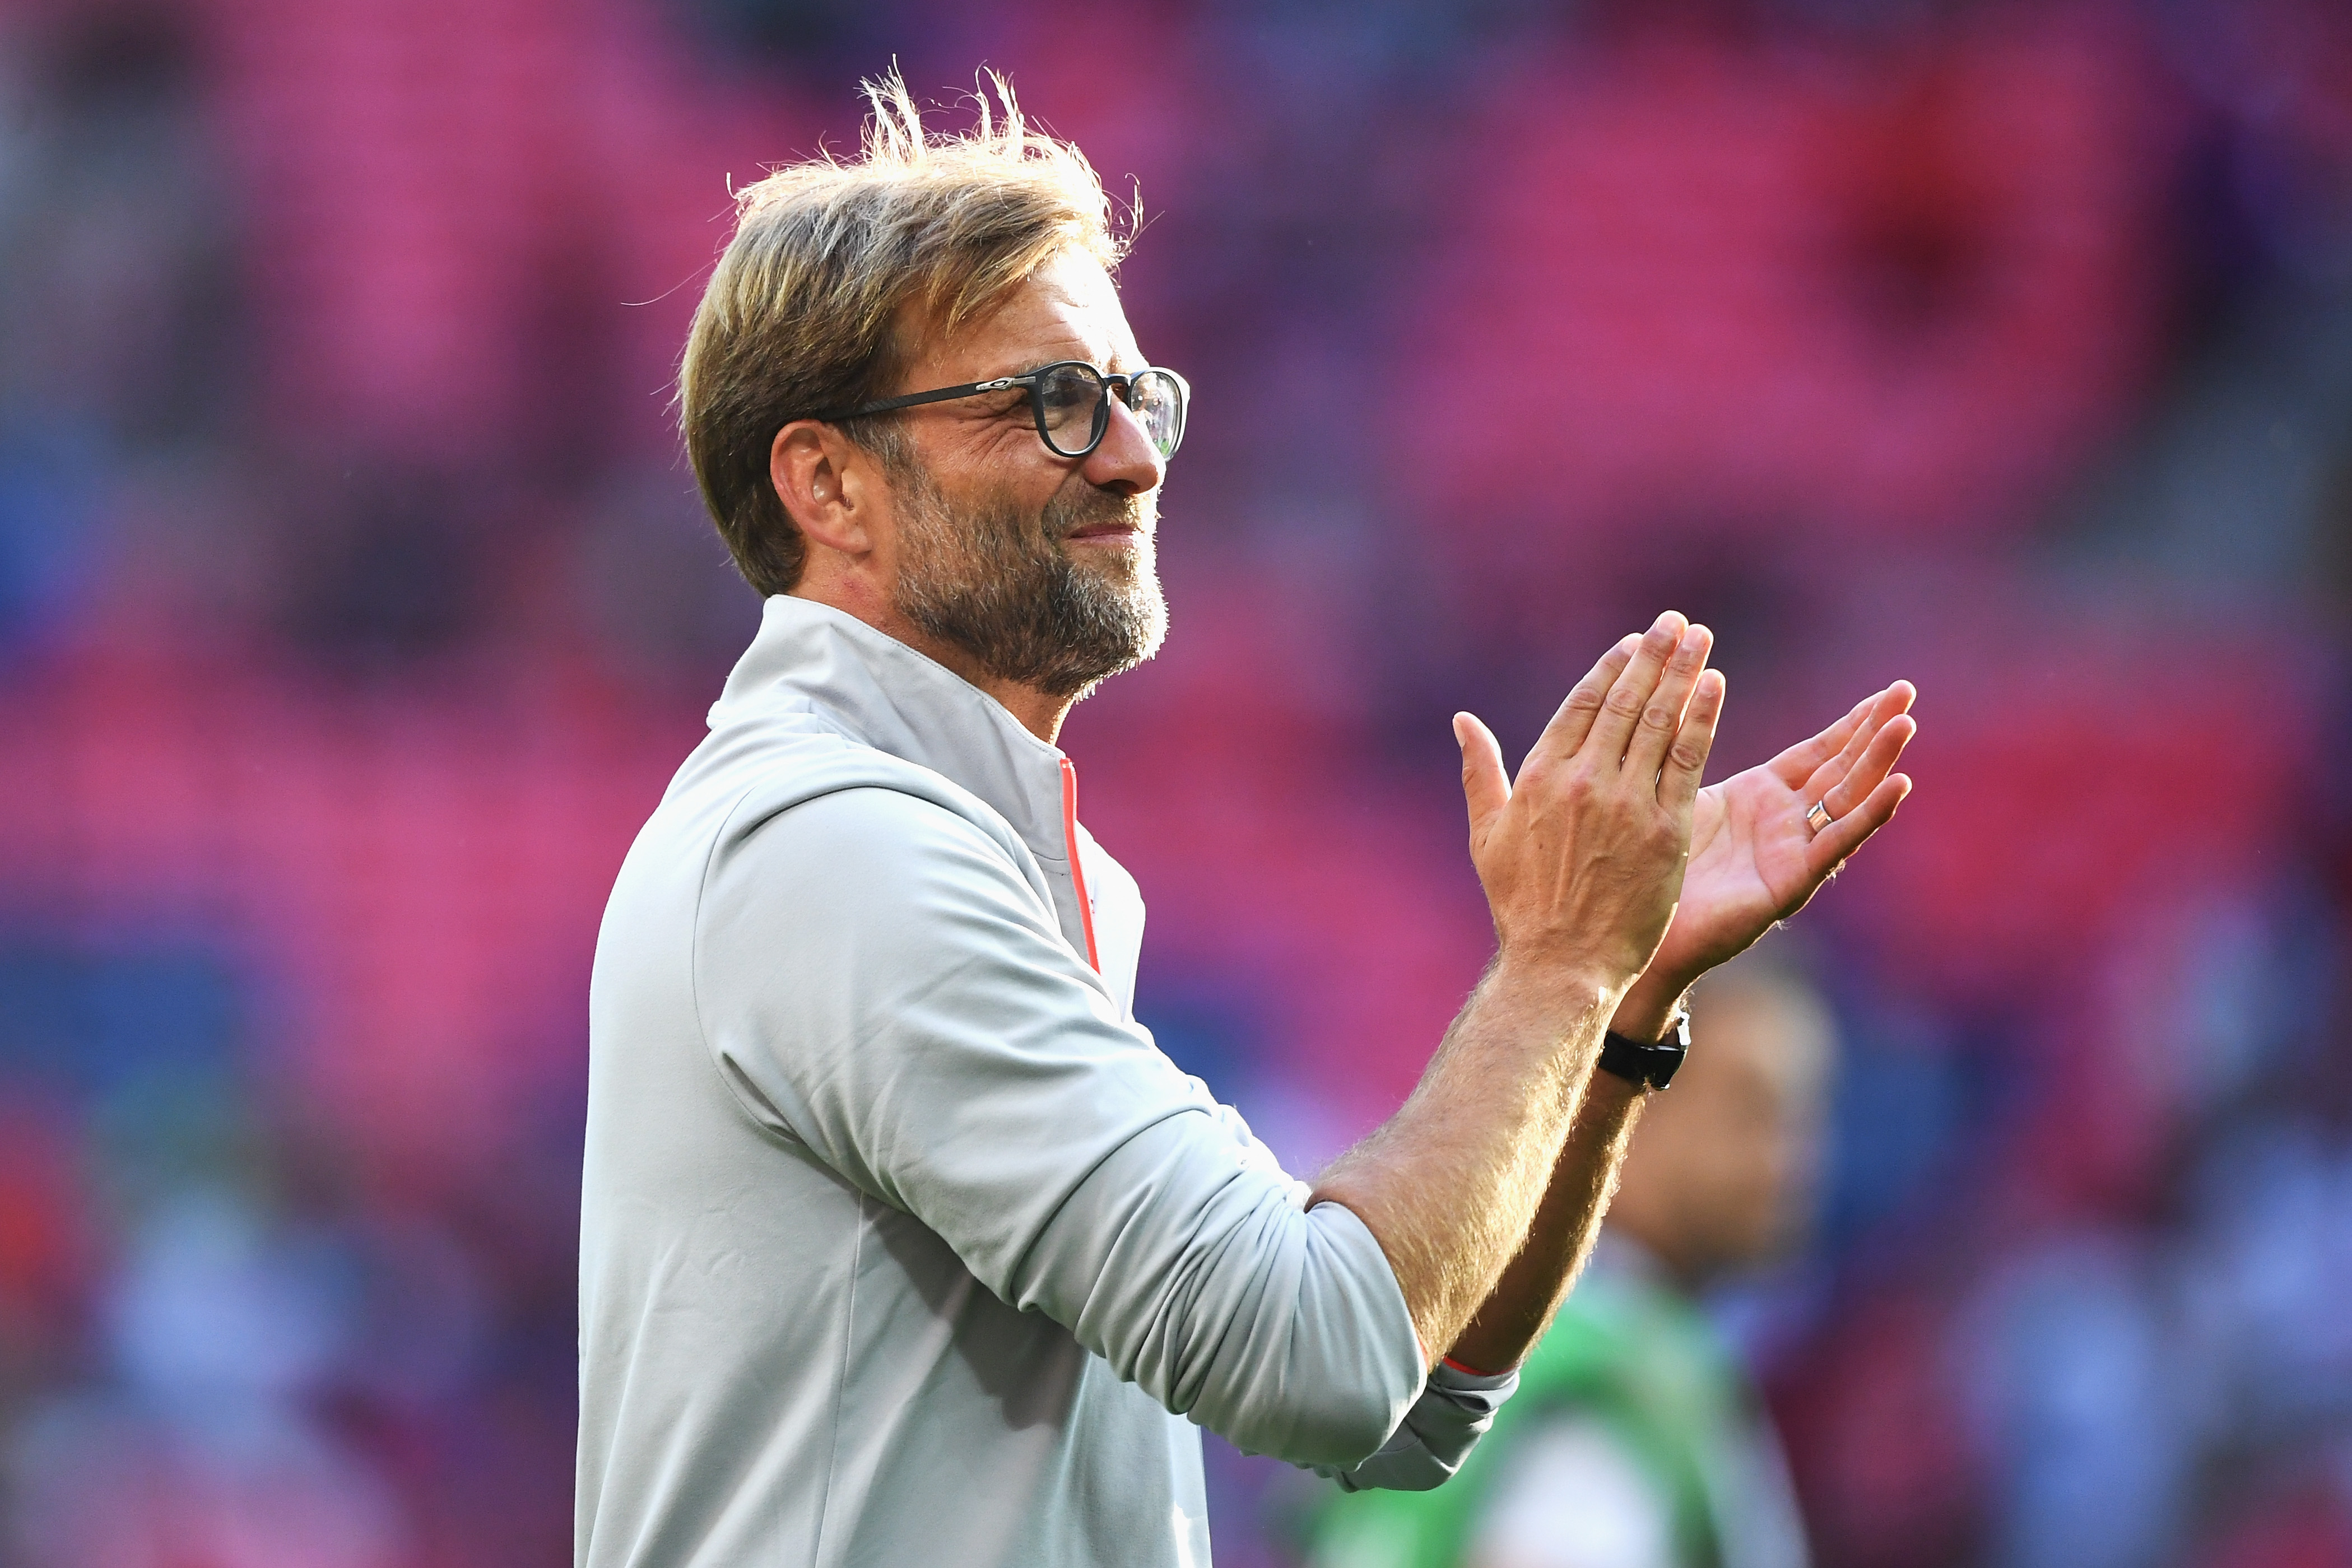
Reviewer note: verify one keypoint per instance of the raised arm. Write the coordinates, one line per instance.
(1755, 859)
(1583, 861)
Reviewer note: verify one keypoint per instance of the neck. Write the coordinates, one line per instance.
(1038, 711)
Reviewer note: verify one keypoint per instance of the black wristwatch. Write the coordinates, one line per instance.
(1651, 1066)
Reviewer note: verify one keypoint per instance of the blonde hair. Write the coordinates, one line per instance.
(835, 267)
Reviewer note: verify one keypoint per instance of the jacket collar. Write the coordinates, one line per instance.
(878, 691)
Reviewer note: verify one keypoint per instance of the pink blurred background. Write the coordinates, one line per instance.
(355, 606)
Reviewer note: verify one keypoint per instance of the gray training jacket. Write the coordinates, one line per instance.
(900, 1240)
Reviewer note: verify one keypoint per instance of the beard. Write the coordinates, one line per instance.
(1000, 584)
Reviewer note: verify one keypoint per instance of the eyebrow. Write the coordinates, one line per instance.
(1112, 368)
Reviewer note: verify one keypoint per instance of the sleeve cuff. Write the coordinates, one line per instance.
(1454, 1410)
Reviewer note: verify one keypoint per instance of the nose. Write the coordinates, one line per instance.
(1126, 461)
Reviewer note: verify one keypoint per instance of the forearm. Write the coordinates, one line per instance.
(1451, 1184)
(1515, 1315)
(1581, 859)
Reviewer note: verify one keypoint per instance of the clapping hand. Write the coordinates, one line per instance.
(1582, 856)
(1755, 858)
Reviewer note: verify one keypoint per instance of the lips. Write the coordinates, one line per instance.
(1098, 518)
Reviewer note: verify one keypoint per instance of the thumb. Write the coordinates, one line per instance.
(1485, 786)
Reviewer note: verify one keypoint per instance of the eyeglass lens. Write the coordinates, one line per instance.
(1075, 413)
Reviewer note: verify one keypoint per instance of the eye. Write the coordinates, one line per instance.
(1068, 390)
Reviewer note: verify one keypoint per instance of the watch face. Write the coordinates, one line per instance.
(1649, 1064)
(1666, 1056)
(1668, 1061)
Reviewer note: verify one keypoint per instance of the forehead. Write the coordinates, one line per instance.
(1067, 310)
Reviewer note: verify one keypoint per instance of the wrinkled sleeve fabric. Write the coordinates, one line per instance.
(880, 982)
(1454, 1411)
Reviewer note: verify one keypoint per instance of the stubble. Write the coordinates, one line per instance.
(1006, 589)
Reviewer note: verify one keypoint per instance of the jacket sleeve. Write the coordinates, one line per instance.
(1454, 1410)
(878, 980)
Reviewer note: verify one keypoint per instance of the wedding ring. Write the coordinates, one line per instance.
(1818, 816)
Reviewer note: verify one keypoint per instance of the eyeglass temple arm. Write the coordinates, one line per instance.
(913, 400)
(1124, 380)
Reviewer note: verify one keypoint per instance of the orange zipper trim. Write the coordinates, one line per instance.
(1077, 872)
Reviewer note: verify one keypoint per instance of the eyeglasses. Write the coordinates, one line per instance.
(1067, 398)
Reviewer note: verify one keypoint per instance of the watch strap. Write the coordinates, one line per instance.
(1649, 1064)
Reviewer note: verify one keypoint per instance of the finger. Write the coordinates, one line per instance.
(1569, 725)
(1801, 761)
(1621, 710)
(1662, 715)
(1679, 780)
(1829, 773)
(1833, 843)
(1798, 765)
(1884, 710)
(1485, 785)
(1871, 767)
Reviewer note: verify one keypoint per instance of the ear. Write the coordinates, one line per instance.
(828, 484)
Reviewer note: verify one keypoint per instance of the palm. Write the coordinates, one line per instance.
(1755, 860)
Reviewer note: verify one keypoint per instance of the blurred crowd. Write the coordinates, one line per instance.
(355, 606)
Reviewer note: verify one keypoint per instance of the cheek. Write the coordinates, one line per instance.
(1006, 455)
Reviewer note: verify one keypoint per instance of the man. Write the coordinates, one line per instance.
(1634, 1440)
(900, 1241)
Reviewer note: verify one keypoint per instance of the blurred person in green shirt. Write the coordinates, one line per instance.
(1637, 1440)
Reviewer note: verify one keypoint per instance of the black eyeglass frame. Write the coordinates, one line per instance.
(1033, 383)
